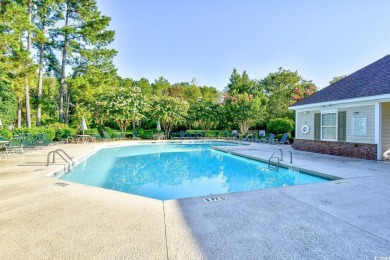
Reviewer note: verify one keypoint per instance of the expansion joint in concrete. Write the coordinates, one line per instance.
(165, 230)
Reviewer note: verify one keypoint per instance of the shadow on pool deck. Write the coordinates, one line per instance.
(343, 219)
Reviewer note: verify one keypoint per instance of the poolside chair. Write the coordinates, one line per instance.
(196, 135)
(97, 137)
(260, 138)
(14, 145)
(217, 135)
(189, 135)
(235, 135)
(118, 136)
(225, 135)
(106, 136)
(203, 134)
(181, 134)
(252, 137)
(284, 139)
(245, 137)
(270, 139)
(44, 139)
(3, 143)
(31, 142)
(135, 135)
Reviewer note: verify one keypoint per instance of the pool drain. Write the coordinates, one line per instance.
(62, 184)
(214, 199)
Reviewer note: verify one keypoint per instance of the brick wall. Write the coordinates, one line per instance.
(354, 150)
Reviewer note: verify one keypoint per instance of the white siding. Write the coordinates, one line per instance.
(385, 127)
(369, 113)
(307, 119)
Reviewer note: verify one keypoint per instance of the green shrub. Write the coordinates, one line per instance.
(6, 133)
(141, 133)
(109, 131)
(280, 125)
(58, 131)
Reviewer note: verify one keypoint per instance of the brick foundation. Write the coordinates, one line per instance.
(354, 150)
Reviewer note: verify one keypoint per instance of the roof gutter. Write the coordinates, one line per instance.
(377, 98)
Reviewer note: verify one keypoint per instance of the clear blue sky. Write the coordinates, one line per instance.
(206, 39)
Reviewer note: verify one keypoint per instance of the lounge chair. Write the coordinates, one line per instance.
(189, 135)
(217, 135)
(97, 137)
(14, 145)
(225, 135)
(30, 141)
(245, 137)
(252, 137)
(203, 134)
(235, 135)
(3, 142)
(260, 138)
(118, 136)
(135, 135)
(270, 139)
(106, 136)
(44, 139)
(181, 134)
(196, 135)
(284, 139)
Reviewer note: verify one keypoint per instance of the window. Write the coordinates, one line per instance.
(329, 126)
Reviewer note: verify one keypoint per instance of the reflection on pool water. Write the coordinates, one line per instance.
(179, 170)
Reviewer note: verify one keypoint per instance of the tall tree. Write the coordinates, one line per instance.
(336, 79)
(16, 65)
(283, 89)
(160, 86)
(240, 84)
(169, 110)
(48, 13)
(84, 38)
(125, 106)
(244, 110)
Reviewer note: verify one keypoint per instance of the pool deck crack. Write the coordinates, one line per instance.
(346, 222)
(165, 230)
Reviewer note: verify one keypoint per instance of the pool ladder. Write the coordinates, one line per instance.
(274, 161)
(69, 161)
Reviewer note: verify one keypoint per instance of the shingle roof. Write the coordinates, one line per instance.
(371, 80)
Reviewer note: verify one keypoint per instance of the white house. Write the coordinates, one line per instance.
(350, 117)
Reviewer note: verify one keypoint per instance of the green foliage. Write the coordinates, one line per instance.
(241, 84)
(6, 133)
(285, 88)
(244, 110)
(35, 130)
(160, 86)
(8, 104)
(125, 106)
(280, 125)
(169, 110)
(204, 114)
(336, 79)
(61, 130)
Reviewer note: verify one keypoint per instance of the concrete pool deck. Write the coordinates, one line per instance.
(341, 219)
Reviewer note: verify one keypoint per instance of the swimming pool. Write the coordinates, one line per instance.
(179, 170)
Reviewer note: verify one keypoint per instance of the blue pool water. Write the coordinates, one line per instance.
(179, 170)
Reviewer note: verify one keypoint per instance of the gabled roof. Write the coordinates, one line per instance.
(371, 80)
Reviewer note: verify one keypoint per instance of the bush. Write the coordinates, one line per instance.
(6, 133)
(280, 125)
(141, 133)
(57, 131)
(109, 131)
